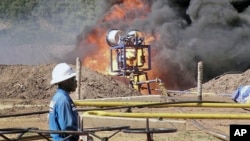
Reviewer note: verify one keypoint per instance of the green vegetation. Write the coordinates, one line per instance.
(43, 21)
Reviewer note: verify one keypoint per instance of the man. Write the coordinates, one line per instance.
(62, 113)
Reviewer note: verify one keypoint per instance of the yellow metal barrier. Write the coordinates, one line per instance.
(159, 105)
(170, 115)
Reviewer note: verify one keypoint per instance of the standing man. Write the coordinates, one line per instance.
(62, 113)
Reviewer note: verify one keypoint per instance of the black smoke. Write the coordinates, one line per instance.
(216, 32)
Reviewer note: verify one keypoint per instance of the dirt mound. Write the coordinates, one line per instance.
(25, 82)
(32, 82)
(227, 83)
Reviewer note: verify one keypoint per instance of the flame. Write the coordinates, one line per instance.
(119, 11)
(98, 52)
(122, 15)
(99, 59)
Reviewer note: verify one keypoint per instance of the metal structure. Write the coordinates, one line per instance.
(117, 129)
(41, 134)
(45, 134)
(24, 134)
(149, 131)
(130, 57)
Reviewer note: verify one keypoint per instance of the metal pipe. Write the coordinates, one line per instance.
(78, 78)
(193, 92)
(160, 105)
(171, 115)
(145, 82)
(199, 80)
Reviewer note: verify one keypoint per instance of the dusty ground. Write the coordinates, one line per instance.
(26, 89)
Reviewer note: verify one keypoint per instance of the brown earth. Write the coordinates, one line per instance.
(29, 85)
(32, 83)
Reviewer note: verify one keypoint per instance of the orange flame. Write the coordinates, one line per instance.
(99, 60)
(119, 11)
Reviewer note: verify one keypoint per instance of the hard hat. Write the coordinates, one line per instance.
(62, 72)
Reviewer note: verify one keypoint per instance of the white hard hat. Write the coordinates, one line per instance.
(62, 72)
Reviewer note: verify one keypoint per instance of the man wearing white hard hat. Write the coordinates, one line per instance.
(62, 113)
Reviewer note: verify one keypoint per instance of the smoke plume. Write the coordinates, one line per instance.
(185, 32)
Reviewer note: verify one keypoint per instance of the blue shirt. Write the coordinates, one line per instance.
(62, 114)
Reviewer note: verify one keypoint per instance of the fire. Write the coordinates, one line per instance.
(98, 56)
(119, 11)
(97, 60)
(126, 15)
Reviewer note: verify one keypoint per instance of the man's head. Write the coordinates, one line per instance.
(64, 76)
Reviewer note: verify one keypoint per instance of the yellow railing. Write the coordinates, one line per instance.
(160, 105)
(170, 115)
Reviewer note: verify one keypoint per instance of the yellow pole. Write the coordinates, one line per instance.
(154, 104)
(170, 115)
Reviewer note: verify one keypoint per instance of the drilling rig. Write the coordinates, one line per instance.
(130, 57)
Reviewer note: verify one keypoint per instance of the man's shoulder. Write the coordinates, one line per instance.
(59, 97)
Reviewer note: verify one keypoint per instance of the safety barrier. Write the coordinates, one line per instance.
(211, 104)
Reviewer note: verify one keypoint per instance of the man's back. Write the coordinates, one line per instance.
(63, 114)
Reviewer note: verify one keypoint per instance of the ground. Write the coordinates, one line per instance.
(26, 88)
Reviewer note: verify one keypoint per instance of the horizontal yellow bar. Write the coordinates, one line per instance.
(170, 115)
(194, 104)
